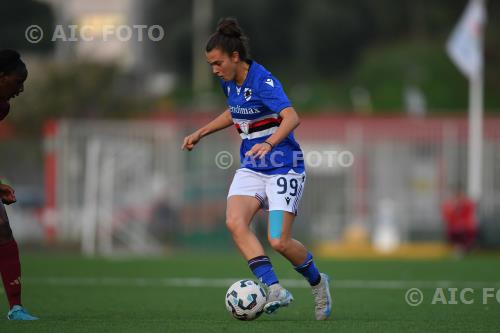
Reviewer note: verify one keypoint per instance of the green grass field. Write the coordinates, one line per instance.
(73, 294)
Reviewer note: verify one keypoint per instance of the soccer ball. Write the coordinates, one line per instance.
(245, 300)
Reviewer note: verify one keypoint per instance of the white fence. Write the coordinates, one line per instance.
(127, 186)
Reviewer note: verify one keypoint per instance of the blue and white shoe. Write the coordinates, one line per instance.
(277, 297)
(322, 298)
(19, 313)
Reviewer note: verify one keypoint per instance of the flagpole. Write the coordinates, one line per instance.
(465, 47)
(475, 138)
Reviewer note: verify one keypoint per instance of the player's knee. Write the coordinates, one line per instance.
(234, 223)
(280, 245)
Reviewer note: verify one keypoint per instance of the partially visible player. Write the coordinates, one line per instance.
(459, 214)
(13, 73)
(272, 173)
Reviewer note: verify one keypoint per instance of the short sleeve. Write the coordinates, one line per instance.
(272, 95)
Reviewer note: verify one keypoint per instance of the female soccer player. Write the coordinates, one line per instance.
(13, 73)
(272, 173)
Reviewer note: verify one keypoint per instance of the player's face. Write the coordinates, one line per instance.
(223, 65)
(12, 84)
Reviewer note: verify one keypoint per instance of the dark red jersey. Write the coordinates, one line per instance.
(4, 109)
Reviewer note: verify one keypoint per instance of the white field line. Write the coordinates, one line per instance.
(197, 282)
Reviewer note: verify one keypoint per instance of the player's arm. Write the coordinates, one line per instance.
(224, 120)
(7, 195)
(290, 121)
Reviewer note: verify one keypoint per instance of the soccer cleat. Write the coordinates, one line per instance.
(19, 313)
(277, 297)
(322, 298)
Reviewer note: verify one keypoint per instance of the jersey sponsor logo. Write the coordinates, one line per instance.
(287, 200)
(269, 82)
(240, 110)
(247, 93)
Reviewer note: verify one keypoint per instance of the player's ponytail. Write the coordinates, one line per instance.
(229, 37)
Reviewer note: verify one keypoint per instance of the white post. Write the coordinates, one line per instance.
(475, 148)
(465, 48)
(475, 153)
(202, 17)
(105, 213)
(89, 216)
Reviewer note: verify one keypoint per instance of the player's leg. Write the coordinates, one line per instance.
(284, 194)
(246, 197)
(280, 238)
(240, 211)
(239, 214)
(471, 238)
(10, 269)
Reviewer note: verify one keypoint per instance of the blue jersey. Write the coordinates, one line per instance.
(255, 108)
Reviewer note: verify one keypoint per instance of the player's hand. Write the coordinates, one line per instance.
(191, 140)
(7, 194)
(259, 150)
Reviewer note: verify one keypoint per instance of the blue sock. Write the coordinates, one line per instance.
(263, 269)
(309, 271)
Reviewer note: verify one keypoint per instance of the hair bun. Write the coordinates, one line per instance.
(229, 27)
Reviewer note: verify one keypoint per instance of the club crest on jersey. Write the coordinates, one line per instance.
(244, 126)
(247, 93)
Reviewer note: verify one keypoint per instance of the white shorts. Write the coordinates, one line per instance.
(275, 192)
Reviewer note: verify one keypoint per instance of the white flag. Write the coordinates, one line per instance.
(465, 44)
